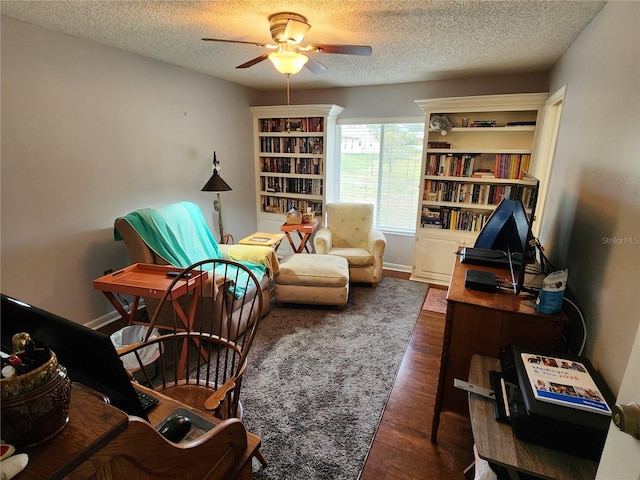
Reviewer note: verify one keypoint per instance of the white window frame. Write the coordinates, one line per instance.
(333, 177)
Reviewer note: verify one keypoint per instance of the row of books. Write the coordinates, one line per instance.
(475, 193)
(453, 218)
(438, 145)
(283, 205)
(511, 165)
(309, 124)
(310, 166)
(450, 165)
(311, 145)
(483, 123)
(300, 186)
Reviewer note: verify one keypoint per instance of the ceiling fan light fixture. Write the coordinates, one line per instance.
(288, 62)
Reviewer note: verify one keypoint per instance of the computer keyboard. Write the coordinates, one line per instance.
(147, 401)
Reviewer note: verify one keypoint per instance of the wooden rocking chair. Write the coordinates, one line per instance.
(201, 369)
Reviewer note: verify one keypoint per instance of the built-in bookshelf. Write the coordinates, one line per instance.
(293, 148)
(486, 155)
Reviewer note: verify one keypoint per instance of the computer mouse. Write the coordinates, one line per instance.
(176, 428)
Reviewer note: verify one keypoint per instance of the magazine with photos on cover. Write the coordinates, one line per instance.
(563, 382)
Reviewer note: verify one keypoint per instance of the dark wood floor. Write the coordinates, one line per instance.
(402, 447)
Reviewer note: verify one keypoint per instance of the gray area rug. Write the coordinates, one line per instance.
(318, 380)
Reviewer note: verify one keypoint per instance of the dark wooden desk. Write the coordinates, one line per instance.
(497, 443)
(484, 323)
(92, 425)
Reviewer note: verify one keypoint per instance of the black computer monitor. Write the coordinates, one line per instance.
(88, 355)
(508, 230)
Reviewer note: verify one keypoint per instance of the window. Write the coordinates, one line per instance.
(380, 163)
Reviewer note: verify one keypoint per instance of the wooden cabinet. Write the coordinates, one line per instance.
(433, 254)
(294, 148)
(484, 323)
(468, 171)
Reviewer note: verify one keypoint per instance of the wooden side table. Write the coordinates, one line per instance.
(263, 239)
(144, 280)
(92, 425)
(150, 280)
(485, 323)
(304, 231)
(497, 443)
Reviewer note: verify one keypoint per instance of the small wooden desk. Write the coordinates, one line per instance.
(263, 239)
(144, 280)
(497, 443)
(304, 231)
(485, 323)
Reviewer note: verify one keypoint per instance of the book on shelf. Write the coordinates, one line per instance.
(521, 124)
(274, 125)
(282, 205)
(467, 193)
(483, 173)
(438, 145)
(483, 123)
(431, 218)
(510, 165)
(526, 197)
(307, 145)
(563, 382)
(452, 218)
(448, 165)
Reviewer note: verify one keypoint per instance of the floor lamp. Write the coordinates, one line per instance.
(217, 184)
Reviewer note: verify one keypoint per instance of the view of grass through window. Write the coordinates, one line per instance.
(380, 164)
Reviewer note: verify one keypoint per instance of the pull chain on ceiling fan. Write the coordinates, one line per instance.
(288, 31)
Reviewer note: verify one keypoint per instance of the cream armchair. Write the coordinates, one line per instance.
(349, 234)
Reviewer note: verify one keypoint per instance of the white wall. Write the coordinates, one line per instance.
(594, 193)
(90, 133)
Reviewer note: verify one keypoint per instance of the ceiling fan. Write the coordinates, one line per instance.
(288, 55)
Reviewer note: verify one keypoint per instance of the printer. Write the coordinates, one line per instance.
(556, 411)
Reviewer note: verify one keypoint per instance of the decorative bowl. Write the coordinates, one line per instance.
(35, 405)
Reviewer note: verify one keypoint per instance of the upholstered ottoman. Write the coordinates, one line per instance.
(313, 279)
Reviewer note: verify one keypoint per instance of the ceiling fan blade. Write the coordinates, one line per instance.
(235, 41)
(314, 65)
(295, 31)
(344, 49)
(251, 63)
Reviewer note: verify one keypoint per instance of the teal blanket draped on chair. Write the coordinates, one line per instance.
(179, 234)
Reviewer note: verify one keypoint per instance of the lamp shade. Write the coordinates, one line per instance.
(216, 184)
(288, 62)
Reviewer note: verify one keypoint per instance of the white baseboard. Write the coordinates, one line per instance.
(397, 267)
(103, 321)
(109, 318)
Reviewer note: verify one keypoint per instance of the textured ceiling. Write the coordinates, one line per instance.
(412, 40)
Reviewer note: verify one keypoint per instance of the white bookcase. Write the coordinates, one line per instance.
(469, 170)
(294, 146)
